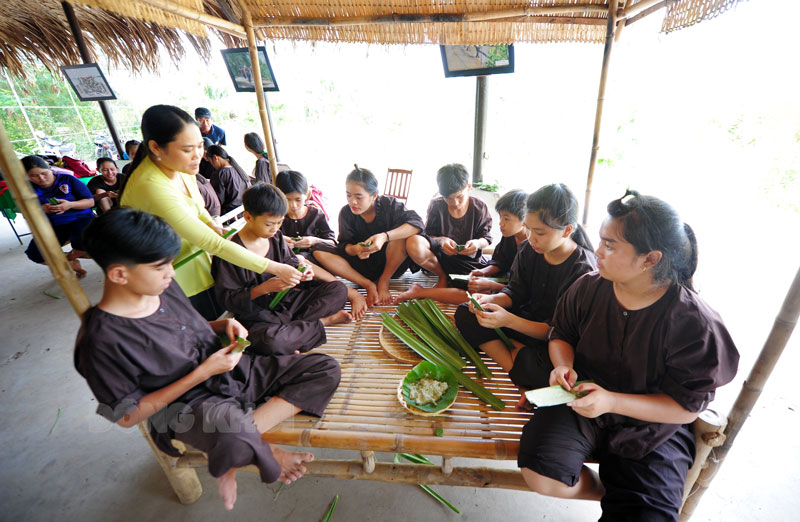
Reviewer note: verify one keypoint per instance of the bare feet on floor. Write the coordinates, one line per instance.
(413, 292)
(226, 485)
(372, 295)
(338, 318)
(292, 464)
(80, 273)
(384, 295)
(358, 304)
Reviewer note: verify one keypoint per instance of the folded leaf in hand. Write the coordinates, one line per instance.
(553, 395)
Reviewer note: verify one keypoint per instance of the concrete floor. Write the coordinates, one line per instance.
(83, 468)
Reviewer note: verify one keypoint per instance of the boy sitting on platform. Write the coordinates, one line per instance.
(297, 322)
(147, 354)
(458, 227)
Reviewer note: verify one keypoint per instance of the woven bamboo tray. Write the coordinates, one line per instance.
(364, 413)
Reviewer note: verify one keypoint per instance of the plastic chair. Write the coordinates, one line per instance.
(398, 184)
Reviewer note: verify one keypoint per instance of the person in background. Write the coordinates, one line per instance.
(69, 216)
(206, 168)
(131, 148)
(457, 229)
(209, 196)
(163, 184)
(229, 181)
(254, 144)
(106, 187)
(207, 128)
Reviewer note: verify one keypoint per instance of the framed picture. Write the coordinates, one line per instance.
(477, 60)
(88, 82)
(241, 69)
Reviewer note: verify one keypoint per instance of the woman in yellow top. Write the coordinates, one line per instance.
(162, 183)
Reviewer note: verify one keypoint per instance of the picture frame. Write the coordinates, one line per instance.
(88, 82)
(240, 69)
(477, 60)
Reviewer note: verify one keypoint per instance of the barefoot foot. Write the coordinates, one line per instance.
(413, 292)
(80, 273)
(372, 295)
(358, 305)
(384, 295)
(339, 317)
(226, 485)
(292, 464)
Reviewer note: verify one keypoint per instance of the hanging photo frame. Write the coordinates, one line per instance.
(241, 70)
(88, 82)
(477, 60)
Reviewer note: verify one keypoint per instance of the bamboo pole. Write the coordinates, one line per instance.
(773, 347)
(40, 226)
(84, 52)
(598, 117)
(262, 103)
(481, 108)
(395, 18)
(184, 480)
(217, 23)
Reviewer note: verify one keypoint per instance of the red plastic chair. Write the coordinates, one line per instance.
(398, 184)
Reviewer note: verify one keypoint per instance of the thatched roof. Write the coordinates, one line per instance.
(129, 32)
(37, 30)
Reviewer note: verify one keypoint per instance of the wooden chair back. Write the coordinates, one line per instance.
(398, 184)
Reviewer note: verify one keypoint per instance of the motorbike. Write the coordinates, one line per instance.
(53, 147)
(105, 147)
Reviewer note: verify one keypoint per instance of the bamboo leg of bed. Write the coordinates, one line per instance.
(184, 481)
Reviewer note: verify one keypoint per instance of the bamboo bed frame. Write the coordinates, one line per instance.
(365, 415)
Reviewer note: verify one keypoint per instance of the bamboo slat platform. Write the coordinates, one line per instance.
(365, 414)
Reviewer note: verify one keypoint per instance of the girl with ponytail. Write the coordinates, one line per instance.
(650, 354)
(255, 145)
(555, 254)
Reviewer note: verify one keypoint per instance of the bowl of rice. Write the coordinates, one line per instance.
(427, 389)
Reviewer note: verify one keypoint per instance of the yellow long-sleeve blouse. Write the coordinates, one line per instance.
(149, 189)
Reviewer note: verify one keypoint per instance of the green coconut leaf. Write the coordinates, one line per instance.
(429, 370)
(553, 395)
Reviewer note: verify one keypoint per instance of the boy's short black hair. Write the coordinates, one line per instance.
(262, 199)
(513, 202)
(452, 178)
(130, 237)
(291, 181)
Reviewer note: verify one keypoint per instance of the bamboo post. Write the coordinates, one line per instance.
(773, 347)
(708, 434)
(184, 481)
(601, 95)
(481, 106)
(84, 51)
(262, 103)
(40, 226)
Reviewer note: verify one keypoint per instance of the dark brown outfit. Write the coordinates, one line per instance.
(476, 223)
(677, 346)
(534, 288)
(229, 186)
(124, 359)
(504, 254)
(312, 224)
(209, 196)
(390, 214)
(262, 171)
(294, 324)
